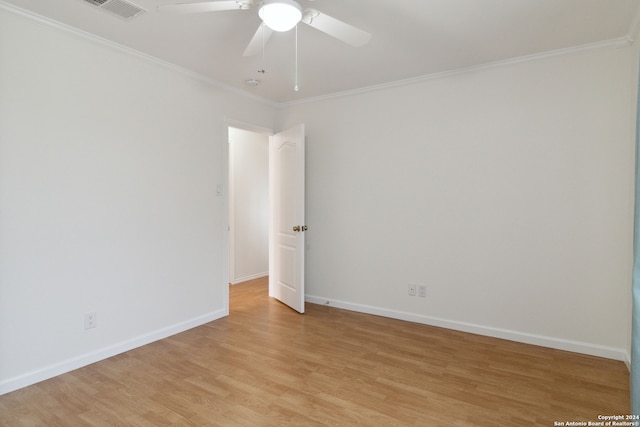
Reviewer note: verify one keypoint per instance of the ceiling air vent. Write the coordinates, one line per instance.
(120, 8)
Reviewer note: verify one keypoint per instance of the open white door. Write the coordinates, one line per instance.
(286, 217)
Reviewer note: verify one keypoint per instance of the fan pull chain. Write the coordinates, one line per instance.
(262, 70)
(263, 67)
(296, 76)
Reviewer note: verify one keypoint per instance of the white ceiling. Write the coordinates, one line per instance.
(410, 38)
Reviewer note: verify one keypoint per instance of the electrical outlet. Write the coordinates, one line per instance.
(422, 291)
(90, 320)
(412, 289)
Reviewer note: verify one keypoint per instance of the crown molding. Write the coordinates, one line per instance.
(620, 42)
(634, 28)
(143, 56)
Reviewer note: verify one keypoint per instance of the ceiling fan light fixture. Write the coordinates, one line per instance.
(280, 15)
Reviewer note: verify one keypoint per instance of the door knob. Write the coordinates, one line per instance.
(296, 228)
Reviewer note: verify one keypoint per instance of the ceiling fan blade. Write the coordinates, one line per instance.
(261, 36)
(335, 28)
(205, 6)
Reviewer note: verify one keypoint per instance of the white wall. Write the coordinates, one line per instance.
(108, 171)
(507, 190)
(634, 108)
(249, 204)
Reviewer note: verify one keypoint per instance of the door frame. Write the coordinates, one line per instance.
(225, 194)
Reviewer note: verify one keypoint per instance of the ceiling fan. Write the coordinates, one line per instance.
(277, 15)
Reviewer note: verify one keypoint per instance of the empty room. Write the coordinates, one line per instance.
(447, 208)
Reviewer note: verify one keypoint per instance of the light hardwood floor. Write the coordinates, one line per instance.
(265, 365)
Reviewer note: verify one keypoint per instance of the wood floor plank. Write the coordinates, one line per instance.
(266, 365)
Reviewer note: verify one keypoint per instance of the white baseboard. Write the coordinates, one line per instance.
(51, 371)
(540, 340)
(247, 278)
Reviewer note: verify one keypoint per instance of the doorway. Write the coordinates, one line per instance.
(248, 204)
(281, 208)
